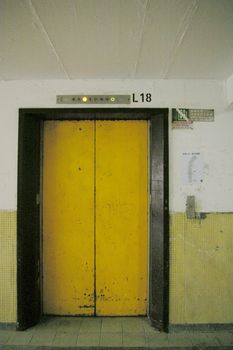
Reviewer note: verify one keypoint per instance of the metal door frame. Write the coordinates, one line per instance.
(159, 206)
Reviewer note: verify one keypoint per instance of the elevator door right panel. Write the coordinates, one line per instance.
(121, 217)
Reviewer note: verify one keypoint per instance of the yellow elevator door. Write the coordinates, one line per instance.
(95, 218)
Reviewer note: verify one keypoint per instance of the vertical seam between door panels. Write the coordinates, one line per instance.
(95, 217)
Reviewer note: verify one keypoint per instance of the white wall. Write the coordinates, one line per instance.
(214, 140)
(229, 90)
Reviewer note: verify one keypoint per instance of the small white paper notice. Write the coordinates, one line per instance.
(192, 167)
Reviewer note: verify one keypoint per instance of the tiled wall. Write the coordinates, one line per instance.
(201, 269)
(7, 266)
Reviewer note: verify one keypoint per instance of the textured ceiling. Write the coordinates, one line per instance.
(161, 39)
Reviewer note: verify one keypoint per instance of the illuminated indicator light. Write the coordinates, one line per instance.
(113, 99)
(84, 99)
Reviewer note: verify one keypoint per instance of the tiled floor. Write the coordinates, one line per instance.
(70, 332)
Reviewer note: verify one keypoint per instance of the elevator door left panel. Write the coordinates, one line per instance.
(68, 218)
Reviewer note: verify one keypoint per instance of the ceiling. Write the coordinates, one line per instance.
(72, 39)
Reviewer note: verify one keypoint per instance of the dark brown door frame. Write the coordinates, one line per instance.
(29, 308)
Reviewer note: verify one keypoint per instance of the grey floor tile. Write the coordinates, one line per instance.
(134, 339)
(70, 325)
(43, 337)
(90, 325)
(49, 321)
(111, 324)
(5, 336)
(52, 319)
(20, 338)
(203, 339)
(132, 325)
(111, 339)
(148, 327)
(224, 338)
(179, 339)
(29, 330)
(46, 324)
(66, 324)
(156, 339)
(65, 339)
(89, 339)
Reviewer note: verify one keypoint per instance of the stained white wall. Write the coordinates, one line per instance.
(214, 140)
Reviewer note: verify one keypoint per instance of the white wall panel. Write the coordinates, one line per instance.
(213, 140)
